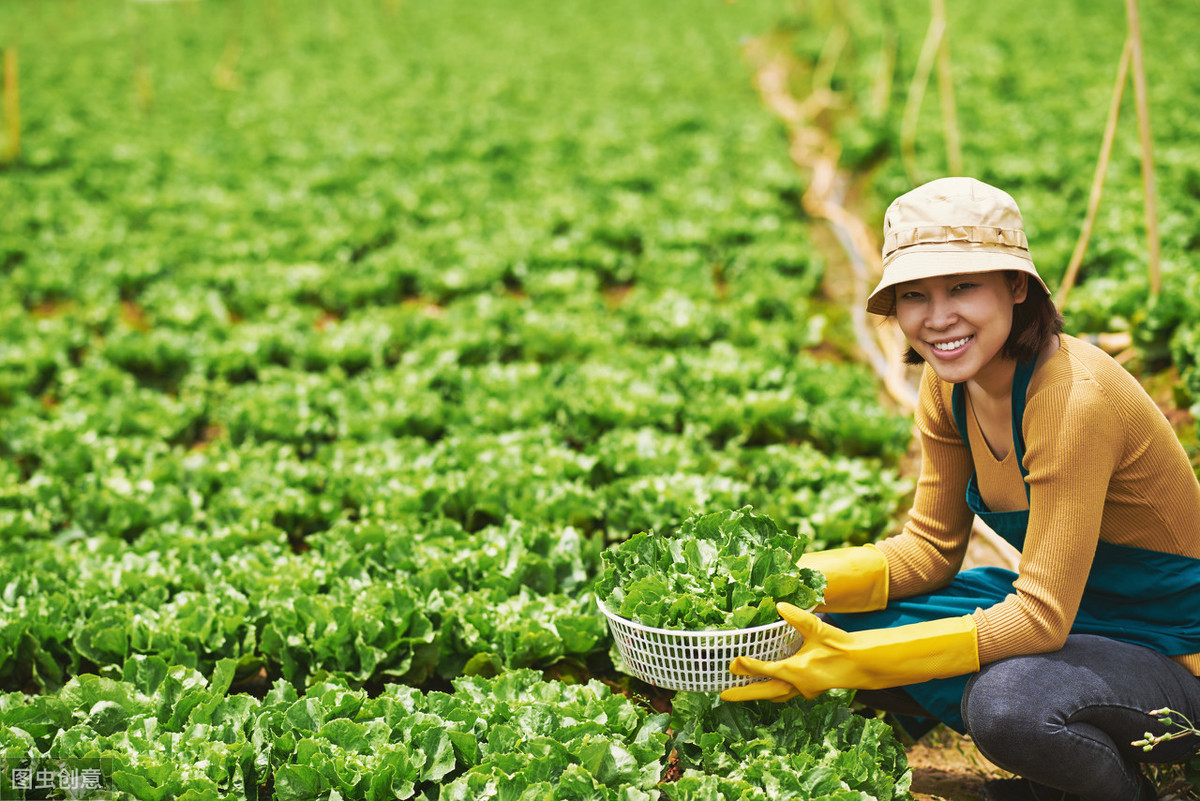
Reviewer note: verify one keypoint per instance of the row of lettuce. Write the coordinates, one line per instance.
(168, 732)
(597, 442)
(369, 603)
(170, 651)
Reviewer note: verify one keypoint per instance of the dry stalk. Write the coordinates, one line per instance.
(1143, 116)
(954, 158)
(1110, 132)
(12, 107)
(1131, 57)
(916, 95)
(225, 73)
(881, 92)
(827, 63)
(935, 51)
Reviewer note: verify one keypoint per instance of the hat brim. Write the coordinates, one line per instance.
(922, 263)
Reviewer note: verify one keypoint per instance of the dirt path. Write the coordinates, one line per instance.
(948, 767)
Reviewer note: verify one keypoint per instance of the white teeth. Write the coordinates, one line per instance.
(958, 343)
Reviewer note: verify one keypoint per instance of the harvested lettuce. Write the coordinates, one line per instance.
(721, 570)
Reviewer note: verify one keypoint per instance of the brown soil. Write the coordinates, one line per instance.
(947, 766)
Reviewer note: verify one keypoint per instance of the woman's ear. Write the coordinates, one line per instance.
(1019, 283)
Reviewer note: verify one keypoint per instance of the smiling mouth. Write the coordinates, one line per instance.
(945, 347)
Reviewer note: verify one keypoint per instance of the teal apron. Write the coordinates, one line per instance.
(1132, 594)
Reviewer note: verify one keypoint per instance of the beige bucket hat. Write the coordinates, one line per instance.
(949, 226)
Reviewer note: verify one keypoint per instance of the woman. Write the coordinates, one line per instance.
(1053, 670)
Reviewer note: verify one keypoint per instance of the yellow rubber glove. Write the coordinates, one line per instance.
(857, 578)
(874, 659)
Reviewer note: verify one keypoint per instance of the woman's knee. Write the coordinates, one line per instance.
(996, 706)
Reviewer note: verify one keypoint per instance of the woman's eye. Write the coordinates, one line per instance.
(963, 286)
(910, 295)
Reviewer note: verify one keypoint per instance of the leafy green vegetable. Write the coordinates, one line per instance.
(798, 749)
(719, 570)
(166, 732)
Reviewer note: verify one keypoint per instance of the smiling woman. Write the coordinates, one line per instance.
(962, 326)
(1054, 670)
(959, 324)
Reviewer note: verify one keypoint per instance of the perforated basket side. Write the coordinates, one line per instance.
(696, 661)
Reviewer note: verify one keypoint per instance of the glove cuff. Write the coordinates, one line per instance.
(856, 578)
(933, 649)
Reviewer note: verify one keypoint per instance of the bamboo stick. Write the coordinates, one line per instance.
(831, 51)
(224, 73)
(143, 81)
(881, 94)
(916, 95)
(12, 106)
(1143, 116)
(954, 159)
(1110, 132)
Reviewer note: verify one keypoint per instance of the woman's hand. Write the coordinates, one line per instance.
(863, 660)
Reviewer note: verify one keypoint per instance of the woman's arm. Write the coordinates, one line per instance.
(929, 551)
(1074, 442)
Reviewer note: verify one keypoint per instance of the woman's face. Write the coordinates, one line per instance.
(959, 323)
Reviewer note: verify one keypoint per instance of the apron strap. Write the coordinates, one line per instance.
(1021, 378)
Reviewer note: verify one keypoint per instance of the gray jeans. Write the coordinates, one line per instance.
(1068, 719)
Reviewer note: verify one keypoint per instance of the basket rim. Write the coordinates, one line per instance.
(612, 616)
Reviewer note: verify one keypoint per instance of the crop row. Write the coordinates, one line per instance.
(304, 454)
(217, 568)
(167, 732)
(368, 602)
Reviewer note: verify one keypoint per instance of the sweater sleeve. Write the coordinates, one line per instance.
(1074, 438)
(928, 552)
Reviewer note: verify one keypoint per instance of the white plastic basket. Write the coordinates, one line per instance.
(697, 661)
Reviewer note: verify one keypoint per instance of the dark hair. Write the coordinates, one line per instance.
(1035, 320)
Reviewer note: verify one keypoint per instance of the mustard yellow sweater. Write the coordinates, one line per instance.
(1104, 464)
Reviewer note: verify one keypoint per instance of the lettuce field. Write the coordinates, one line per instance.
(340, 339)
